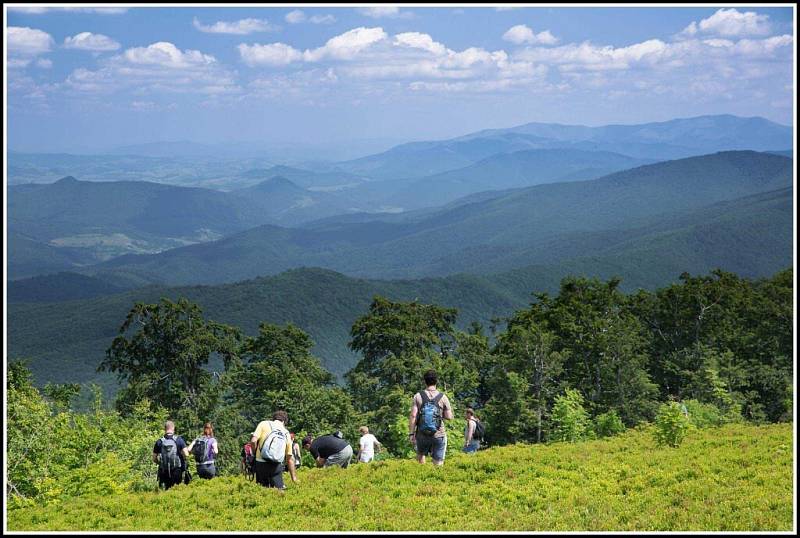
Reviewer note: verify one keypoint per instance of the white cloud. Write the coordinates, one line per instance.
(24, 41)
(240, 27)
(322, 19)
(271, 54)
(389, 12)
(37, 10)
(166, 54)
(420, 41)
(90, 41)
(159, 67)
(520, 34)
(297, 16)
(44, 63)
(730, 23)
(347, 45)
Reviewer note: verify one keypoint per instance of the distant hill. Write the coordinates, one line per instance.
(526, 226)
(101, 220)
(658, 141)
(511, 170)
(63, 286)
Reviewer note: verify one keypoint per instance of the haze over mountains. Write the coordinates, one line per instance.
(478, 222)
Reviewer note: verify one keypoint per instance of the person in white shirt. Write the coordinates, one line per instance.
(367, 445)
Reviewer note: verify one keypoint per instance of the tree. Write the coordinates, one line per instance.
(398, 341)
(165, 358)
(528, 351)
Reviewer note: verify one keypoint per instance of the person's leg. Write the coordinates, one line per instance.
(438, 450)
(261, 474)
(275, 475)
(424, 444)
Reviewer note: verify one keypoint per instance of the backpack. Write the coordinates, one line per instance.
(169, 455)
(199, 450)
(480, 430)
(274, 447)
(202, 449)
(429, 418)
(248, 460)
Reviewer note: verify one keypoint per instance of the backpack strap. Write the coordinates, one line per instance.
(438, 397)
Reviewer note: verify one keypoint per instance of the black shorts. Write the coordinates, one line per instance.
(268, 474)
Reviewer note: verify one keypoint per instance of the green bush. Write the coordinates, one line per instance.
(671, 425)
(706, 415)
(570, 421)
(608, 424)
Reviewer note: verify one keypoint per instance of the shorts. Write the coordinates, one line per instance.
(341, 458)
(435, 446)
(268, 474)
(472, 447)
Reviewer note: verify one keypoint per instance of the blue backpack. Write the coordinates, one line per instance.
(429, 418)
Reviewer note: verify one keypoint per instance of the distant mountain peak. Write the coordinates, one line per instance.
(277, 183)
(67, 180)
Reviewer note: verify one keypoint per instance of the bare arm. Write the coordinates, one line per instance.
(292, 468)
(448, 411)
(155, 457)
(470, 432)
(412, 417)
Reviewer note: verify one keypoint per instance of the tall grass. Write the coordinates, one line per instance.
(734, 478)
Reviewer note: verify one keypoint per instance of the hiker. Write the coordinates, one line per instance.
(205, 450)
(329, 450)
(295, 451)
(473, 433)
(367, 445)
(273, 447)
(170, 454)
(429, 409)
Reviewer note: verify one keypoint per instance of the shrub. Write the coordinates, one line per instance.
(671, 425)
(608, 424)
(706, 415)
(570, 421)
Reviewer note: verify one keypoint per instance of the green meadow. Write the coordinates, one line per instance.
(733, 478)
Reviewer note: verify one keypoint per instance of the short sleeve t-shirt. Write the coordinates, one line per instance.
(326, 446)
(367, 447)
(179, 443)
(262, 431)
(444, 404)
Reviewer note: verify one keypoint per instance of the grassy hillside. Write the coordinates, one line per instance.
(736, 478)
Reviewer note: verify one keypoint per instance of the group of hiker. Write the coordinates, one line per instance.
(272, 449)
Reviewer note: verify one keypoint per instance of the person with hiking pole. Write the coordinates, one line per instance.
(429, 409)
(170, 454)
(205, 450)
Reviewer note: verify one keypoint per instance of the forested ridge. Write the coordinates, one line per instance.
(589, 361)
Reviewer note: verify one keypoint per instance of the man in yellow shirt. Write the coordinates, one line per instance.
(268, 471)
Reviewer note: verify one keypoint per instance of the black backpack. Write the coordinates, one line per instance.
(170, 460)
(480, 430)
(199, 450)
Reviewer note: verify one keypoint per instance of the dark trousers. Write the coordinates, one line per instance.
(206, 470)
(169, 479)
(268, 474)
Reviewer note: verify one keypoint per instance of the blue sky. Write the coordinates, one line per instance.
(88, 78)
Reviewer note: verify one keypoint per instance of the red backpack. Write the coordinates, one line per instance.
(248, 463)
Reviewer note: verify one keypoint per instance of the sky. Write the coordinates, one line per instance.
(83, 78)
